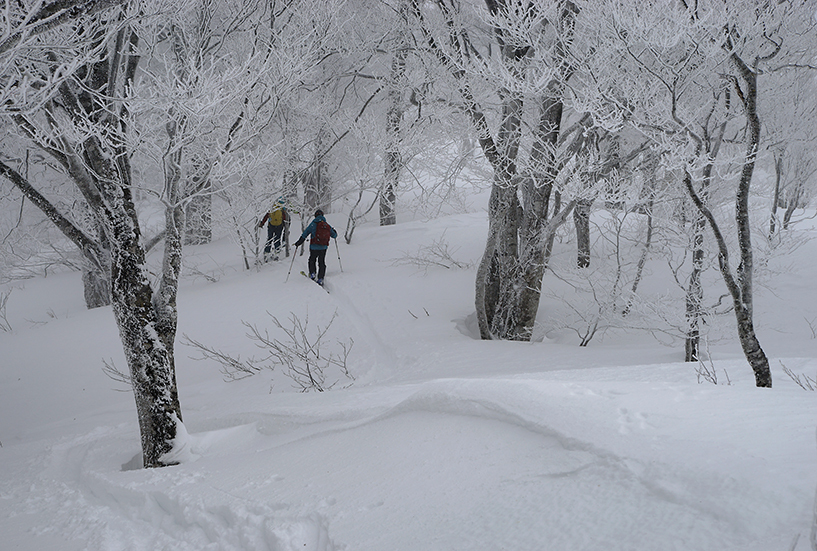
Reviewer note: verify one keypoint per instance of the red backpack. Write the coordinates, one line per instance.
(323, 233)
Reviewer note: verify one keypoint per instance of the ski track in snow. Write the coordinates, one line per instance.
(135, 510)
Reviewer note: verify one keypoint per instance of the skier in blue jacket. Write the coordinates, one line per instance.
(320, 232)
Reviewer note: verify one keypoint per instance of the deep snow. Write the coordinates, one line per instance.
(442, 441)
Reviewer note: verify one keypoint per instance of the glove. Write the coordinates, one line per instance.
(299, 242)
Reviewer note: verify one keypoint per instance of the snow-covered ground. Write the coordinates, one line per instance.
(442, 441)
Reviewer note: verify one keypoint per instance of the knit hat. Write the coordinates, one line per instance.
(318, 212)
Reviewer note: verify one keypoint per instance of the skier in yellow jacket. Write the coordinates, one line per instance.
(275, 219)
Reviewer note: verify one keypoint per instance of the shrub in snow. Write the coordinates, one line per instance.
(302, 353)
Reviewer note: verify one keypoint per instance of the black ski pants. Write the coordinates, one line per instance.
(273, 238)
(317, 256)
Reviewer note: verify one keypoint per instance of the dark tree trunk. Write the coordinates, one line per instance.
(509, 275)
(789, 212)
(388, 196)
(581, 219)
(793, 199)
(519, 236)
(500, 261)
(317, 188)
(651, 166)
(316, 179)
(99, 168)
(778, 176)
(537, 230)
(145, 338)
(743, 299)
(695, 291)
(740, 284)
(695, 294)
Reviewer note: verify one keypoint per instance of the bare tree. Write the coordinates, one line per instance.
(791, 143)
(685, 63)
(394, 114)
(86, 123)
(531, 66)
(83, 126)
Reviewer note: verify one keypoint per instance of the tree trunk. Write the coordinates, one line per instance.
(96, 286)
(146, 320)
(147, 335)
(145, 341)
(500, 261)
(581, 219)
(778, 176)
(537, 231)
(91, 105)
(510, 275)
(695, 293)
(792, 202)
(602, 153)
(394, 115)
(744, 299)
(388, 197)
(508, 283)
(316, 181)
(740, 284)
(651, 166)
(497, 272)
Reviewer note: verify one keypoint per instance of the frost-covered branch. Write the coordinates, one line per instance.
(803, 381)
(302, 354)
(5, 326)
(21, 25)
(436, 254)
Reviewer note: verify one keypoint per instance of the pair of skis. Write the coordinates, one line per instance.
(306, 275)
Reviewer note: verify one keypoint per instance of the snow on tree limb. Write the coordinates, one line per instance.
(50, 16)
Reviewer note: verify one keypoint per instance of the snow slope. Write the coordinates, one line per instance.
(442, 441)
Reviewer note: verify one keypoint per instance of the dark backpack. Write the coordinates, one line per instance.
(323, 233)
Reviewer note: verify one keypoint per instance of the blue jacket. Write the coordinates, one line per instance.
(310, 232)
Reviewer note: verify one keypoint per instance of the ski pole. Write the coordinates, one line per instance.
(290, 265)
(338, 249)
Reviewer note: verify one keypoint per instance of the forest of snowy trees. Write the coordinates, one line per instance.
(622, 129)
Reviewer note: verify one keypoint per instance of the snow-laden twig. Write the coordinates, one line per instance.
(812, 325)
(436, 254)
(803, 381)
(302, 354)
(113, 372)
(707, 371)
(5, 326)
